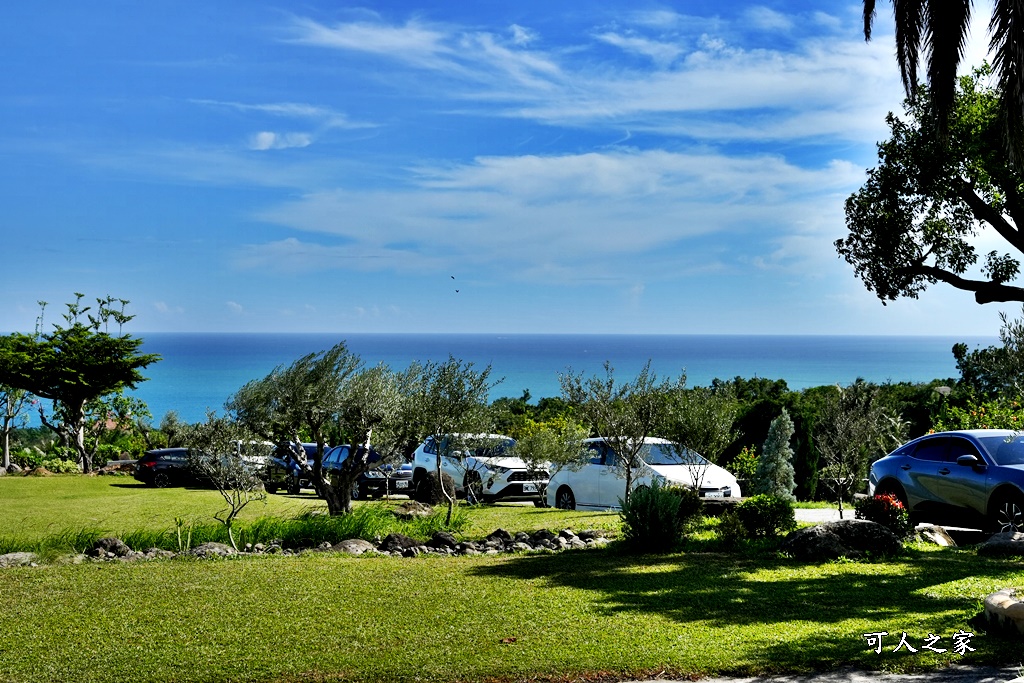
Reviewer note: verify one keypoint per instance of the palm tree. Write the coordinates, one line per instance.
(939, 28)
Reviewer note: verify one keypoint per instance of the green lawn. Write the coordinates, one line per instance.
(325, 617)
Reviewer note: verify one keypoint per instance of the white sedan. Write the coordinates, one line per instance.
(600, 483)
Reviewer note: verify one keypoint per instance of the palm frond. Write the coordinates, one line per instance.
(910, 25)
(869, 17)
(1007, 48)
(947, 24)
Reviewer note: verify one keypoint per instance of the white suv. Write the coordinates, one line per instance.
(481, 470)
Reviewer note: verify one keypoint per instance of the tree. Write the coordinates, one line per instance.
(774, 474)
(550, 447)
(12, 407)
(77, 362)
(624, 414)
(996, 370)
(702, 420)
(913, 222)
(939, 28)
(849, 431)
(305, 397)
(215, 450)
(450, 403)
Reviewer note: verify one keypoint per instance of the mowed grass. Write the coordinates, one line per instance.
(327, 617)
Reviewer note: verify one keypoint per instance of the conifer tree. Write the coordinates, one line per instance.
(774, 474)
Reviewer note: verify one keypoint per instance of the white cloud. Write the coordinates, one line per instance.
(768, 19)
(265, 140)
(521, 35)
(661, 53)
(235, 307)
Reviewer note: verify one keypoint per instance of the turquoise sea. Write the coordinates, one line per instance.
(201, 371)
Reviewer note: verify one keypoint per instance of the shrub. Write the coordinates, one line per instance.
(28, 458)
(745, 463)
(656, 517)
(765, 515)
(730, 528)
(887, 510)
(61, 466)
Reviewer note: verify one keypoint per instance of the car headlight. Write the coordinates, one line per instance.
(499, 471)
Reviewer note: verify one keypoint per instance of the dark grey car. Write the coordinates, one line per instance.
(968, 478)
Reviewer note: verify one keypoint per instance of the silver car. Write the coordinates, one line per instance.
(969, 479)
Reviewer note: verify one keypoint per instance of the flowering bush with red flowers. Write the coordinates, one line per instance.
(887, 510)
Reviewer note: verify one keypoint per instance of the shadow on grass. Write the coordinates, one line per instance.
(781, 598)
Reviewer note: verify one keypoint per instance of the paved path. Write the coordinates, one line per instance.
(822, 514)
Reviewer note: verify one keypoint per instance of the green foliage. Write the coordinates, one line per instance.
(28, 458)
(774, 474)
(765, 515)
(551, 446)
(914, 221)
(59, 466)
(886, 510)
(75, 363)
(994, 414)
(730, 529)
(655, 518)
(744, 464)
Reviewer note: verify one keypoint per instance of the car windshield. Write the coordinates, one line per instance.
(1005, 450)
(668, 454)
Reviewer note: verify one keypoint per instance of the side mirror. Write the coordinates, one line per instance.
(969, 461)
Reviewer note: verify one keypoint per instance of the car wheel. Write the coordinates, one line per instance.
(1008, 513)
(564, 500)
(270, 488)
(474, 488)
(161, 480)
(293, 486)
(355, 491)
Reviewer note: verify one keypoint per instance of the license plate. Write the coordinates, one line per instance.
(529, 488)
(713, 494)
(401, 484)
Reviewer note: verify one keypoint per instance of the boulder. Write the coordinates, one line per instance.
(501, 536)
(929, 533)
(411, 509)
(1004, 613)
(212, 549)
(852, 538)
(17, 559)
(353, 546)
(110, 545)
(428, 490)
(397, 543)
(1006, 544)
(13, 469)
(443, 539)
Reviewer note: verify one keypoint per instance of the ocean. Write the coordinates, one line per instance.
(200, 371)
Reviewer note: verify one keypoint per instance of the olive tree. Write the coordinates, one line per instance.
(450, 402)
(215, 449)
(547, 448)
(624, 414)
(700, 420)
(76, 362)
(850, 429)
(304, 397)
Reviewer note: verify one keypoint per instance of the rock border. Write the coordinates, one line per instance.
(394, 545)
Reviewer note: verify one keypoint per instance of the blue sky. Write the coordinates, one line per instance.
(532, 166)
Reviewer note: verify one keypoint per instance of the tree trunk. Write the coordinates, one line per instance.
(76, 425)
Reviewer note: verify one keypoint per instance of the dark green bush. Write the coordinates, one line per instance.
(656, 517)
(888, 511)
(765, 515)
(730, 529)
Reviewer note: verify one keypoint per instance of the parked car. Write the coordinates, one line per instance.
(384, 480)
(370, 483)
(282, 471)
(164, 467)
(970, 478)
(600, 483)
(480, 468)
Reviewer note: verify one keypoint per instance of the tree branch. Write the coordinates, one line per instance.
(985, 291)
(984, 211)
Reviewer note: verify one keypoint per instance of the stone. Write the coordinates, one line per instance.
(393, 543)
(567, 534)
(353, 546)
(114, 547)
(852, 538)
(212, 549)
(500, 535)
(1006, 544)
(442, 539)
(542, 535)
(17, 559)
(14, 469)
(929, 533)
(1004, 612)
(412, 509)
(522, 537)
